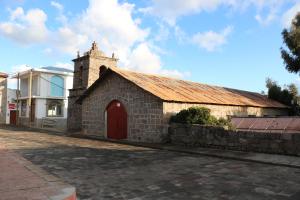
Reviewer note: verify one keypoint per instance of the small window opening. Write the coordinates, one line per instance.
(80, 76)
(102, 68)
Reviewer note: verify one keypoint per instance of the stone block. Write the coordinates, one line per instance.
(195, 135)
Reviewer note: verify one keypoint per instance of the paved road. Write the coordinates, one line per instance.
(102, 170)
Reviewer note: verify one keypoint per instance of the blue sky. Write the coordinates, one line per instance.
(230, 43)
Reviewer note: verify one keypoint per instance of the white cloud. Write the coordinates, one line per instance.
(171, 10)
(162, 33)
(271, 7)
(18, 12)
(12, 83)
(211, 40)
(111, 23)
(260, 4)
(61, 17)
(64, 65)
(68, 41)
(174, 73)
(266, 20)
(20, 68)
(113, 26)
(180, 35)
(143, 59)
(290, 14)
(25, 28)
(57, 5)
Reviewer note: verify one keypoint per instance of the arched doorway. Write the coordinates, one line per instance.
(116, 120)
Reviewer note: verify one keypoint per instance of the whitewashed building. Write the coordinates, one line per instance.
(43, 97)
(11, 106)
(7, 102)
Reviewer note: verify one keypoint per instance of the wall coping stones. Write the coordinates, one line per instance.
(208, 136)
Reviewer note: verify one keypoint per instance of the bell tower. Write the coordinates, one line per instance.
(86, 72)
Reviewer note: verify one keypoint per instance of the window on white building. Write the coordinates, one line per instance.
(54, 108)
(57, 86)
(23, 108)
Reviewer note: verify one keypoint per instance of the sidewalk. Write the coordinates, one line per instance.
(272, 159)
(21, 180)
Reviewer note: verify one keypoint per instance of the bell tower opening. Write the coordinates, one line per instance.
(80, 73)
(102, 69)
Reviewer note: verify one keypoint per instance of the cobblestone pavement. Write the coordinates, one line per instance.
(102, 170)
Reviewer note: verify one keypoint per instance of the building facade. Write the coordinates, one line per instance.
(3, 97)
(42, 100)
(8, 111)
(120, 104)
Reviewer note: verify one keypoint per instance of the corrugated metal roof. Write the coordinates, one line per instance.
(170, 89)
(51, 70)
(3, 75)
(59, 69)
(268, 124)
(176, 90)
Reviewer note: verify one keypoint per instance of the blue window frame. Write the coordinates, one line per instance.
(57, 86)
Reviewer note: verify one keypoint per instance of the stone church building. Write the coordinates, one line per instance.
(110, 102)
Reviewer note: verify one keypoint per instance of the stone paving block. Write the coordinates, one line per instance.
(20, 179)
(105, 170)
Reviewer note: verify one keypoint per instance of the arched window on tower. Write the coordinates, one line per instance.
(102, 68)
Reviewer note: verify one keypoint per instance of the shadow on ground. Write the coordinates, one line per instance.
(103, 170)
(153, 174)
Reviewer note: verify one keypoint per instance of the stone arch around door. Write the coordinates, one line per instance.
(116, 120)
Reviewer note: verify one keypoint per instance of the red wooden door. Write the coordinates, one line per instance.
(13, 117)
(116, 120)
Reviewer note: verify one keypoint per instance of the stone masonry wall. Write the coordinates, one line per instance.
(74, 115)
(222, 111)
(60, 124)
(95, 63)
(206, 136)
(144, 111)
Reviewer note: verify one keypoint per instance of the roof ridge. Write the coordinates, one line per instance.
(178, 79)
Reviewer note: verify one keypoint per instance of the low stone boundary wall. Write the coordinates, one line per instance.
(207, 136)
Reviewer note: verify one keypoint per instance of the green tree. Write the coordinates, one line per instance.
(293, 89)
(288, 95)
(274, 91)
(291, 38)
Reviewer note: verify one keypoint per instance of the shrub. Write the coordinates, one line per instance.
(199, 115)
(193, 115)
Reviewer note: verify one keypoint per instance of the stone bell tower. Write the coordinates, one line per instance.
(86, 72)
